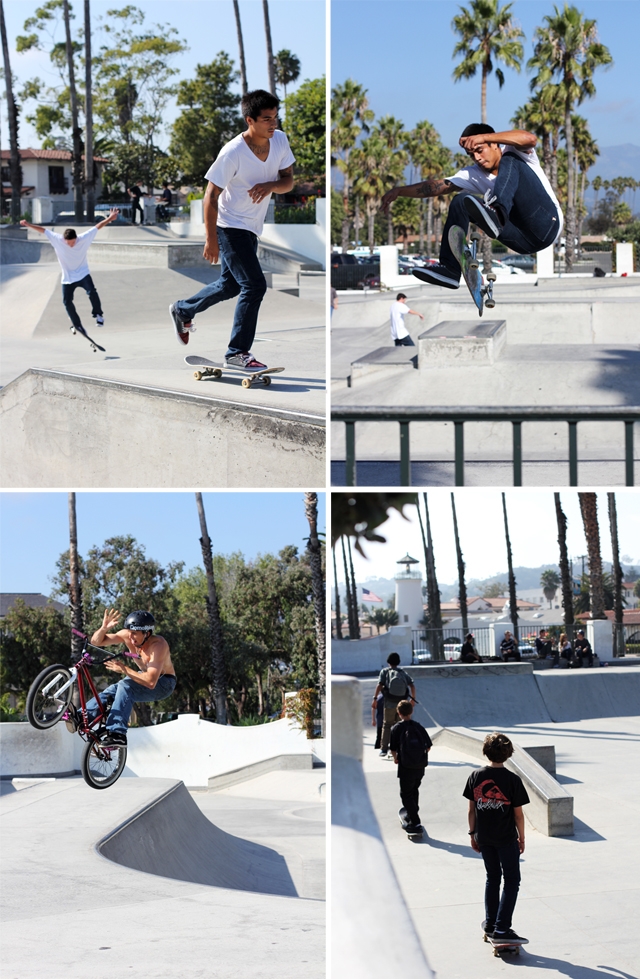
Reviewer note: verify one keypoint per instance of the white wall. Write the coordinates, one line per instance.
(409, 602)
(370, 655)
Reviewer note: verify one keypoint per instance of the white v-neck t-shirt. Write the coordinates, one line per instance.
(73, 260)
(237, 169)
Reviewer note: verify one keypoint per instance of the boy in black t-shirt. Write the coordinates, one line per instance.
(496, 827)
(410, 746)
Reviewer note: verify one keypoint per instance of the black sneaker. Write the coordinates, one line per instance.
(509, 938)
(438, 275)
(490, 218)
(246, 362)
(182, 329)
(488, 929)
(114, 739)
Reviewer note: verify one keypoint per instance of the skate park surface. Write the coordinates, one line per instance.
(576, 892)
(52, 379)
(148, 879)
(569, 342)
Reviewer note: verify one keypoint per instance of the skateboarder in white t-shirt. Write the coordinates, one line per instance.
(71, 250)
(399, 332)
(517, 206)
(248, 170)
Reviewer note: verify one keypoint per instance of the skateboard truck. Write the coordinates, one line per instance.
(488, 290)
(474, 261)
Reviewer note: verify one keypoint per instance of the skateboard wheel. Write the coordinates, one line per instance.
(217, 372)
(474, 236)
(474, 263)
(490, 303)
(197, 375)
(266, 381)
(246, 382)
(491, 276)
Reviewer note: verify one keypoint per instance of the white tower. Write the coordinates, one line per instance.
(409, 605)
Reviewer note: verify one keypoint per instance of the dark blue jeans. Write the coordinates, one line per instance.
(533, 219)
(68, 289)
(124, 694)
(501, 863)
(410, 780)
(240, 275)
(404, 342)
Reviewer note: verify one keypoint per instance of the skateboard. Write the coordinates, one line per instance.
(94, 346)
(503, 948)
(469, 263)
(211, 369)
(415, 834)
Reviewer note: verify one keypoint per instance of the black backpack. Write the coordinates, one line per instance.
(414, 746)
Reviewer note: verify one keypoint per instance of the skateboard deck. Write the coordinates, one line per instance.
(209, 368)
(466, 260)
(94, 346)
(415, 834)
(504, 948)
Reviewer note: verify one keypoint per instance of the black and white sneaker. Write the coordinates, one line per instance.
(438, 275)
(114, 739)
(509, 938)
(100, 320)
(246, 362)
(489, 217)
(182, 329)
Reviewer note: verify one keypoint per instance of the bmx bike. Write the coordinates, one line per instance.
(49, 701)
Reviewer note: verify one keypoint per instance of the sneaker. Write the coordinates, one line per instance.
(490, 218)
(100, 320)
(488, 929)
(182, 329)
(509, 937)
(114, 739)
(438, 275)
(246, 362)
(383, 754)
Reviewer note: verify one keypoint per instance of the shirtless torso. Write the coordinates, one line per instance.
(153, 657)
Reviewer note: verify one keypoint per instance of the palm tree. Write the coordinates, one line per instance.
(352, 616)
(425, 152)
(75, 591)
(379, 169)
(568, 49)
(351, 116)
(513, 601)
(354, 593)
(549, 581)
(433, 592)
(287, 67)
(78, 204)
(589, 512)
(337, 590)
(391, 131)
(487, 33)
(543, 115)
(218, 669)
(270, 61)
(619, 644)
(565, 570)
(89, 176)
(584, 156)
(243, 67)
(314, 547)
(15, 169)
(462, 587)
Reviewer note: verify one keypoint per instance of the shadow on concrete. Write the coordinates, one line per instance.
(584, 833)
(562, 968)
(455, 848)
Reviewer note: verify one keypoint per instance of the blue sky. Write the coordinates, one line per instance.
(34, 528)
(208, 26)
(401, 51)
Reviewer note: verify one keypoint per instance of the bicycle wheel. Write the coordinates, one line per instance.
(45, 706)
(101, 767)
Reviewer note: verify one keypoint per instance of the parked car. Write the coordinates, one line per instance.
(370, 281)
(524, 262)
(340, 258)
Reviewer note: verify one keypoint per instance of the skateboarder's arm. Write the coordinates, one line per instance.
(35, 227)
(375, 695)
(210, 213)
(433, 187)
(113, 214)
(519, 818)
(472, 825)
(519, 138)
(414, 312)
(282, 185)
(148, 677)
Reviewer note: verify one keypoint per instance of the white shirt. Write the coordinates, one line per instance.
(398, 311)
(478, 181)
(72, 258)
(237, 169)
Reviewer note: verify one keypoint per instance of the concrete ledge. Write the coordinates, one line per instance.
(26, 752)
(551, 808)
(383, 358)
(295, 762)
(458, 342)
(63, 429)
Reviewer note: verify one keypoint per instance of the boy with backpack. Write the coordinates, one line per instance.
(496, 827)
(410, 747)
(396, 685)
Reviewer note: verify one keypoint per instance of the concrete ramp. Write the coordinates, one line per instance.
(577, 695)
(172, 838)
(486, 695)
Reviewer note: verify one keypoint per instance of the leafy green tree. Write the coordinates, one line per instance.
(495, 589)
(306, 124)
(582, 601)
(488, 33)
(210, 118)
(337, 216)
(31, 638)
(405, 213)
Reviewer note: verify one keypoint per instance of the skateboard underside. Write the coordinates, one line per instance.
(481, 294)
(83, 333)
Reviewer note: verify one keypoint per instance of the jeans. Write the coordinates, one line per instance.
(68, 289)
(240, 275)
(410, 780)
(532, 222)
(136, 206)
(390, 718)
(124, 694)
(404, 342)
(501, 862)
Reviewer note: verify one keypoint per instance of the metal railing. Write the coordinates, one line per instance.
(628, 414)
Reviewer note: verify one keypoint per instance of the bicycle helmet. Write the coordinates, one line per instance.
(140, 621)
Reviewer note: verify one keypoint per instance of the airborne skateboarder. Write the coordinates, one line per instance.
(517, 206)
(250, 168)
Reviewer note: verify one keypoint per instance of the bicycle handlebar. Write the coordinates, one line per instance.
(109, 655)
